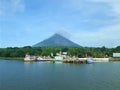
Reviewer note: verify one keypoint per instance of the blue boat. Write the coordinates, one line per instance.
(89, 61)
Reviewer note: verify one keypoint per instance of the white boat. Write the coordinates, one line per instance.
(29, 58)
(43, 59)
(89, 61)
(39, 58)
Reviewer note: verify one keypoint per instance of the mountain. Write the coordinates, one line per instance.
(56, 40)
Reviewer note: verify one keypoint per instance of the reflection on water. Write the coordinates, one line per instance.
(28, 62)
(18, 75)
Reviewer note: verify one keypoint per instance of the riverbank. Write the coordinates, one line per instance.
(83, 59)
(12, 58)
(114, 59)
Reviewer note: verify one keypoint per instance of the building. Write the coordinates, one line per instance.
(116, 55)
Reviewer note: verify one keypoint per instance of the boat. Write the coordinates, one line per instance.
(40, 59)
(43, 59)
(89, 61)
(29, 58)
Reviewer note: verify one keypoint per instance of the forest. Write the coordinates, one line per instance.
(98, 52)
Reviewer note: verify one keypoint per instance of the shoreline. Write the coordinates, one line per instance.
(12, 58)
(110, 59)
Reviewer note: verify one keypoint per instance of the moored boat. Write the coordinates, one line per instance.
(44, 58)
(39, 58)
(89, 61)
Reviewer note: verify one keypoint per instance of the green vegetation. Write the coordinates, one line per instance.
(12, 58)
(19, 53)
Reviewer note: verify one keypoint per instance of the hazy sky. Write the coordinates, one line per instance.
(89, 22)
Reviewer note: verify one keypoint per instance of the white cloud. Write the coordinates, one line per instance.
(11, 7)
(105, 36)
(18, 5)
(115, 4)
(95, 11)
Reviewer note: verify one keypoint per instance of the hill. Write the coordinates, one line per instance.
(56, 40)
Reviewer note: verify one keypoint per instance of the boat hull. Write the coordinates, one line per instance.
(89, 61)
(42, 60)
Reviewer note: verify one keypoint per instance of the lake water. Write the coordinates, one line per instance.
(18, 75)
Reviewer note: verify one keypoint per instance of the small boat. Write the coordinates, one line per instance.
(29, 58)
(89, 61)
(43, 59)
(40, 59)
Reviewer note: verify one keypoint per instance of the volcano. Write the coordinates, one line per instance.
(55, 41)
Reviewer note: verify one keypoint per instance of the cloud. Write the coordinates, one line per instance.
(104, 16)
(91, 22)
(105, 36)
(115, 5)
(10, 7)
(91, 12)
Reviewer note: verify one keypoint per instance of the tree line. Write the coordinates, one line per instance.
(46, 51)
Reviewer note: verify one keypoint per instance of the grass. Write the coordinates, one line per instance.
(12, 58)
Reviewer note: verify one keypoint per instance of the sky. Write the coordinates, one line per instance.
(91, 23)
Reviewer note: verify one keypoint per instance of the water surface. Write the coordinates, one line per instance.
(18, 75)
